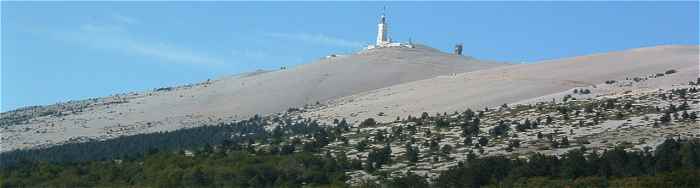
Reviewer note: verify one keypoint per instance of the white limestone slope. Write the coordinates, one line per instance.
(235, 97)
(510, 84)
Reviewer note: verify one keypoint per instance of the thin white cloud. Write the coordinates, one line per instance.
(117, 38)
(316, 38)
(170, 53)
(101, 29)
(250, 54)
(125, 19)
(264, 59)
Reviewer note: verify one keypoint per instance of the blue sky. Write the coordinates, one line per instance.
(59, 51)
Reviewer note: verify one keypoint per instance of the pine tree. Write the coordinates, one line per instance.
(685, 115)
(369, 122)
(343, 124)
(412, 153)
(424, 115)
(362, 145)
(446, 149)
(483, 141)
(564, 141)
(665, 118)
(468, 141)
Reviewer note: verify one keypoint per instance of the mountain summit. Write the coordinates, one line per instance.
(231, 98)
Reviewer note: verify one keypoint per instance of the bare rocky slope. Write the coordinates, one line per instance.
(633, 100)
(231, 98)
(520, 83)
(627, 117)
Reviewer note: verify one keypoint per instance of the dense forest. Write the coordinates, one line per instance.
(168, 169)
(675, 163)
(135, 146)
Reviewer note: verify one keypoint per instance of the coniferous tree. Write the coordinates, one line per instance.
(424, 116)
(369, 122)
(287, 149)
(564, 141)
(412, 153)
(362, 145)
(409, 180)
(665, 118)
(446, 149)
(468, 141)
(483, 141)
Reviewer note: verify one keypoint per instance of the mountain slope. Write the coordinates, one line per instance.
(509, 84)
(232, 98)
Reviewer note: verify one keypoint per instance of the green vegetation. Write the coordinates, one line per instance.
(137, 145)
(675, 163)
(170, 169)
(290, 151)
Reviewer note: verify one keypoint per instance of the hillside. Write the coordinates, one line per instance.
(230, 98)
(625, 135)
(543, 81)
(631, 114)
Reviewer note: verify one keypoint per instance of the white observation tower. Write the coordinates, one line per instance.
(382, 31)
(383, 39)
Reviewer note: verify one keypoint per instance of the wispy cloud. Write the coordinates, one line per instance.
(264, 58)
(250, 54)
(171, 53)
(316, 38)
(124, 19)
(103, 29)
(117, 38)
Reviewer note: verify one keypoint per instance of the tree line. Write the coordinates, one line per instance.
(135, 146)
(674, 163)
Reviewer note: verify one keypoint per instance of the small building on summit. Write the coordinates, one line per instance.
(458, 49)
(383, 38)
